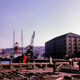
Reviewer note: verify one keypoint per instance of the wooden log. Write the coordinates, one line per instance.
(1, 66)
(20, 67)
(54, 67)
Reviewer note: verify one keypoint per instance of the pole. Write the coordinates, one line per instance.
(22, 40)
(54, 67)
(13, 40)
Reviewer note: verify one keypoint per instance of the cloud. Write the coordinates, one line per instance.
(10, 16)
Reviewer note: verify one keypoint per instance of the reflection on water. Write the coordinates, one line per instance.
(4, 62)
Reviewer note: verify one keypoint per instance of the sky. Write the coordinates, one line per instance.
(48, 18)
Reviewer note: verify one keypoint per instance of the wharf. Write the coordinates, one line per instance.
(36, 74)
(37, 71)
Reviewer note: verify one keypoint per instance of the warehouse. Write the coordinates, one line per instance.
(59, 47)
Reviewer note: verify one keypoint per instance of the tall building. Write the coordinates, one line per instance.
(59, 47)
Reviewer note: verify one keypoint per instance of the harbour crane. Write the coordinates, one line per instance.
(29, 52)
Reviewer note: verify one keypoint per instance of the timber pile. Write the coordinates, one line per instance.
(27, 72)
(33, 74)
(23, 75)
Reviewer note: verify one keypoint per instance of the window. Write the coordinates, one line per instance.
(69, 47)
(64, 40)
(69, 39)
(69, 51)
(74, 40)
(74, 44)
(69, 43)
(74, 51)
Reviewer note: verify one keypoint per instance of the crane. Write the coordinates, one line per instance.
(29, 52)
(32, 39)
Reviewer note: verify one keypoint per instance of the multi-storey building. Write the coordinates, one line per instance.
(59, 47)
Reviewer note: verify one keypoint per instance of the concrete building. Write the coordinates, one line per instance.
(59, 47)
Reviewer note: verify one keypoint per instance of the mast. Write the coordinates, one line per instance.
(32, 39)
(13, 40)
(22, 40)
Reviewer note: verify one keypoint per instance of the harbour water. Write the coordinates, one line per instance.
(4, 62)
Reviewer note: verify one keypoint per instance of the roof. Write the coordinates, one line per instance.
(70, 34)
(73, 35)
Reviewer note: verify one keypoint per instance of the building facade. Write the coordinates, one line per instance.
(59, 47)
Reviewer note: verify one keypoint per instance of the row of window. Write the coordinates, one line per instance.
(74, 40)
(74, 44)
(71, 51)
(60, 41)
(74, 47)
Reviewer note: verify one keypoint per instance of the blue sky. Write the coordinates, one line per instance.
(48, 18)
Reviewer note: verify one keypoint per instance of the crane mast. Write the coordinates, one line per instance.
(32, 39)
(29, 52)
